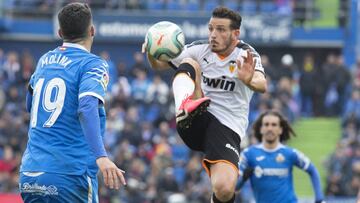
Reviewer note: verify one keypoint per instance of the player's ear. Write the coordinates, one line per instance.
(60, 33)
(92, 31)
(236, 33)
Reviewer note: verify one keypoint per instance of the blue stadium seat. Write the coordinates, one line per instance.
(209, 5)
(179, 173)
(268, 7)
(248, 7)
(173, 5)
(155, 5)
(232, 4)
(192, 6)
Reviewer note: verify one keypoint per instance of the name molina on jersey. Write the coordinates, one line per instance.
(55, 58)
(219, 83)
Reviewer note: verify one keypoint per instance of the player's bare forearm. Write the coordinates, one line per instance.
(258, 82)
(157, 64)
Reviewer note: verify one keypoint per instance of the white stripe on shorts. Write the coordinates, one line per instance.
(90, 188)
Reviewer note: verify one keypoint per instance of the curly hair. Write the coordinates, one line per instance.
(287, 131)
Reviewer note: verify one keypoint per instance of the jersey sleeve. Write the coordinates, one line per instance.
(256, 56)
(190, 51)
(300, 159)
(94, 80)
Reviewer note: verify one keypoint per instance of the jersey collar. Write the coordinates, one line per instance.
(68, 44)
(279, 146)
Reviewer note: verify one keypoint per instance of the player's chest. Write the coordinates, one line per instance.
(214, 67)
(277, 160)
(274, 165)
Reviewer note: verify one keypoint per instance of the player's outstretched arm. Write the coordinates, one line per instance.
(154, 63)
(90, 123)
(244, 176)
(315, 180)
(113, 176)
(255, 80)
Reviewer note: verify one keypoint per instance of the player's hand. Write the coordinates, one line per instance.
(113, 176)
(246, 69)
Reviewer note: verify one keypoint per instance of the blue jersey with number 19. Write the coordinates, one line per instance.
(56, 140)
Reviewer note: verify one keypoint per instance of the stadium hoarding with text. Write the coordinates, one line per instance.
(256, 29)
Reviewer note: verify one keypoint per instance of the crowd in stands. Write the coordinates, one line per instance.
(140, 133)
(280, 6)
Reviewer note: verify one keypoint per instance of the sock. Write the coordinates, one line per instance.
(215, 200)
(183, 86)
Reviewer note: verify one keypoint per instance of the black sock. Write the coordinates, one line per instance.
(215, 200)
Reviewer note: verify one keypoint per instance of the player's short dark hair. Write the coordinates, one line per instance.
(284, 124)
(223, 12)
(74, 21)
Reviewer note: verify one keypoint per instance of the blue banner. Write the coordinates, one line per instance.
(255, 29)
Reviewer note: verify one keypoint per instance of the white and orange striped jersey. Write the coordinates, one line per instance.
(230, 97)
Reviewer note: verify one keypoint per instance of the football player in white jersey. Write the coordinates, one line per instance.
(224, 71)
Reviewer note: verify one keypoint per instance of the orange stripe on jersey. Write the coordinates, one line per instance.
(217, 161)
(62, 48)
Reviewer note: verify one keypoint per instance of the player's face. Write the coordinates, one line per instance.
(271, 129)
(221, 36)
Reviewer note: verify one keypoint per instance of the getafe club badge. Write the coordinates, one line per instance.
(105, 80)
(232, 66)
(280, 158)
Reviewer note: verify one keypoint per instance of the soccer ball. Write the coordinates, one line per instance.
(165, 40)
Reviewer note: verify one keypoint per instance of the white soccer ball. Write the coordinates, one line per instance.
(165, 40)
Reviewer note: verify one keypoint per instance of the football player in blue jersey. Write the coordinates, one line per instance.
(66, 94)
(269, 164)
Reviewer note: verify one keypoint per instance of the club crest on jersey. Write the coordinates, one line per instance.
(232, 66)
(105, 80)
(280, 158)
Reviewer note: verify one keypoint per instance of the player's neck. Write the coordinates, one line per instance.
(272, 145)
(228, 51)
(86, 44)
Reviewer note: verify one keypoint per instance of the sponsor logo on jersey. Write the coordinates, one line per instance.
(260, 158)
(281, 172)
(219, 83)
(280, 158)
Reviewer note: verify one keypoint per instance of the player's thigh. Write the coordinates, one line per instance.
(194, 136)
(50, 187)
(221, 145)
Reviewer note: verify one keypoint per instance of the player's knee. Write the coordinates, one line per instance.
(190, 67)
(223, 190)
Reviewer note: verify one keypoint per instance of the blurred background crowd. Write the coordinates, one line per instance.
(140, 134)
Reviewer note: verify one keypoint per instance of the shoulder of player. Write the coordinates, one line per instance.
(252, 149)
(198, 43)
(93, 61)
(246, 46)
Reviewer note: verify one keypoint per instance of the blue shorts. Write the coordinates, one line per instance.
(52, 187)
